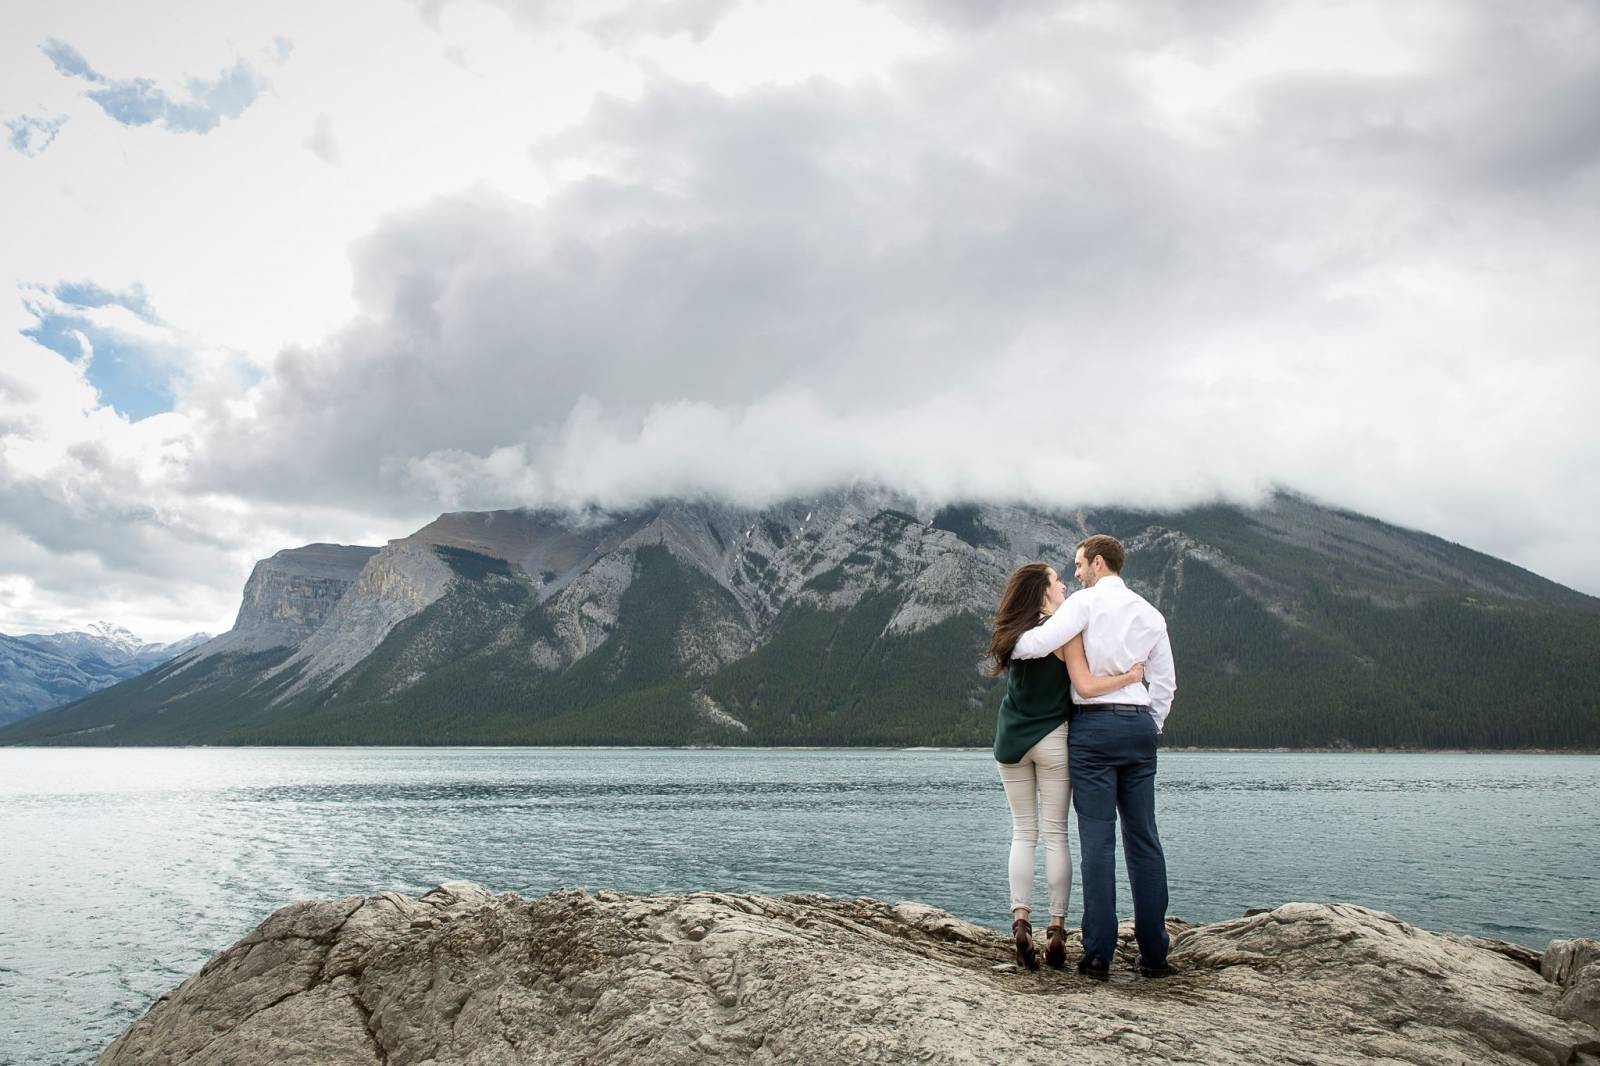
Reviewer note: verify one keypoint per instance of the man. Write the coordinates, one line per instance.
(1111, 752)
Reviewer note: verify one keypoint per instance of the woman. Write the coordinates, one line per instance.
(1030, 746)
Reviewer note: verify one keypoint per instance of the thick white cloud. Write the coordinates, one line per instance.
(95, 522)
(1067, 253)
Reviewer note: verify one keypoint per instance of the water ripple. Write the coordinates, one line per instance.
(126, 869)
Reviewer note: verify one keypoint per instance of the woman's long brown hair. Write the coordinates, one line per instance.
(1018, 612)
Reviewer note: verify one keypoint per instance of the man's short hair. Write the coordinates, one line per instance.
(1106, 547)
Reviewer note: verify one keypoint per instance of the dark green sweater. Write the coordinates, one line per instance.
(1038, 699)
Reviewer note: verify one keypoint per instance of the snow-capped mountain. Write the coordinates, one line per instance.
(43, 670)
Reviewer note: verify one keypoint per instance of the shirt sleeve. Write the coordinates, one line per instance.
(1056, 630)
(1162, 678)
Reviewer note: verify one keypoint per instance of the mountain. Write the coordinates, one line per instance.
(43, 670)
(288, 597)
(858, 618)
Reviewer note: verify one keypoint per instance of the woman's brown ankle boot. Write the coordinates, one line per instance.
(1055, 946)
(1022, 930)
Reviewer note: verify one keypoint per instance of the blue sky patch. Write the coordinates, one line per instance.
(130, 373)
(69, 61)
(88, 294)
(141, 102)
(31, 135)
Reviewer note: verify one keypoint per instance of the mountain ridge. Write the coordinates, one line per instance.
(860, 617)
(43, 670)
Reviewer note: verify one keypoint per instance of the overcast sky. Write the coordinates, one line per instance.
(307, 271)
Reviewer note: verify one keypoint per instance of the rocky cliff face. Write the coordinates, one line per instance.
(826, 553)
(289, 596)
(394, 584)
(461, 976)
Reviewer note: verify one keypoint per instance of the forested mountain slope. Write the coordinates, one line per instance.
(857, 618)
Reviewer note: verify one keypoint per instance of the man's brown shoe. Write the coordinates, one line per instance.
(1022, 930)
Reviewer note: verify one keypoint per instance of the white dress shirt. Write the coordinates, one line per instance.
(1119, 629)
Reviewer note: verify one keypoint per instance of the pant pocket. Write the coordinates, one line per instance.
(1152, 735)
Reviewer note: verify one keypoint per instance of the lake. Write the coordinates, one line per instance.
(122, 870)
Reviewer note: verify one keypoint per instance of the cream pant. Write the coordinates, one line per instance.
(1039, 790)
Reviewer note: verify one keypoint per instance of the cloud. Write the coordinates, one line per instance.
(99, 535)
(797, 445)
(93, 521)
(613, 21)
(322, 143)
(43, 590)
(1506, 117)
(141, 102)
(1145, 254)
(1006, 271)
(1156, 22)
(31, 135)
(84, 511)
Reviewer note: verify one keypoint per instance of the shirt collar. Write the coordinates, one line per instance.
(1111, 581)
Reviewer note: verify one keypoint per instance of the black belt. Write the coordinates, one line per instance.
(1111, 707)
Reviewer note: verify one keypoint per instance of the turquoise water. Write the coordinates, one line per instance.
(121, 871)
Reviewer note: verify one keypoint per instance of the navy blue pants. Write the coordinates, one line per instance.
(1112, 757)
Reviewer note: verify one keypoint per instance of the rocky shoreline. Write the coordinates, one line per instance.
(460, 975)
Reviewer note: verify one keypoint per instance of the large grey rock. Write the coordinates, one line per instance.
(460, 976)
(1574, 965)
